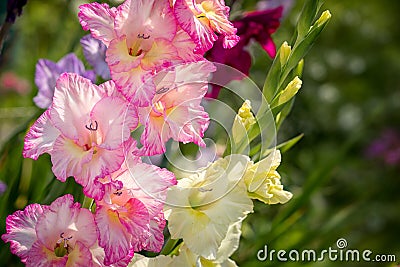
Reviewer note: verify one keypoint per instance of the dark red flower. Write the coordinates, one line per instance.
(257, 25)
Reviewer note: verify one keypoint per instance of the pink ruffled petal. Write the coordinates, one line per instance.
(185, 47)
(161, 55)
(152, 18)
(203, 36)
(118, 57)
(135, 218)
(230, 41)
(102, 163)
(67, 158)
(155, 134)
(80, 256)
(40, 138)
(135, 85)
(116, 119)
(148, 183)
(110, 89)
(40, 255)
(73, 101)
(99, 19)
(20, 230)
(113, 236)
(65, 216)
(156, 240)
(188, 124)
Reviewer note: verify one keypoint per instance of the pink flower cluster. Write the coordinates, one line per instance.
(154, 51)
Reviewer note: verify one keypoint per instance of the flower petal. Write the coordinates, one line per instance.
(46, 75)
(99, 19)
(67, 158)
(136, 85)
(73, 101)
(95, 53)
(203, 36)
(20, 230)
(153, 18)
(65, 216)
(116, 119)
(80, 256)
(113, 236)
(40, 255)
(41, 137)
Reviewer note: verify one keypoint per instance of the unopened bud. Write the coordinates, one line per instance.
(290, 91)
(284, 53)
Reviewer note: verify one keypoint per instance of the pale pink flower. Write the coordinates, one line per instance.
(203, 20)
(175, 111)
(57, 235)
(130, 215)
(84, 130)
(142, 38)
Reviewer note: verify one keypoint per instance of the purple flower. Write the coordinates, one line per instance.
(257, 25)
(386, 147)
(47, 73)
(3, 188)
(95, 53)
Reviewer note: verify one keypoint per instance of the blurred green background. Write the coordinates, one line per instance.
(350, 100)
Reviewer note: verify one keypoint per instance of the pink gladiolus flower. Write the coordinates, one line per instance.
(142, 38)
(202, 19)
(130, 216)
(175, 111)
(84, 130)
(61, 234)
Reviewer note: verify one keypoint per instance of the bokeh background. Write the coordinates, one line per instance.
(344, 173)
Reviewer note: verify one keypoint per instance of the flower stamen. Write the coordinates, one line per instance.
(62, 247)
(91, 128)
(142, 36)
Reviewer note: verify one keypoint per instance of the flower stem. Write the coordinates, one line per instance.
(87, 203)
(169, 246)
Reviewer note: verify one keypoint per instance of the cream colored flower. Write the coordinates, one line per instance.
(264, 182)
(201, 208)
(188, 258)
(159, 261)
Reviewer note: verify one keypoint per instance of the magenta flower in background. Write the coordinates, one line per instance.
(47, 73)
(255, 25)
(386, 147)
(95, 53)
